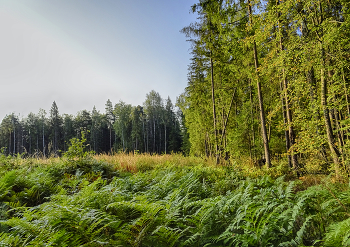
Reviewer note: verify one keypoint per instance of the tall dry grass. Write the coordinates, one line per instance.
(142, 162)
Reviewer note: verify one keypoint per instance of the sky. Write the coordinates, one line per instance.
(80, 53)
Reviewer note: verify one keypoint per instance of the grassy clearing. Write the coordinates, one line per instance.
(168, 200)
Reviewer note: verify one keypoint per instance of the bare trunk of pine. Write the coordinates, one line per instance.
(206, 145)
(144, 135)
(30, 143)
(286, 132)
(287, 114)
(330, 138)
(160, 139)
(10, 139)
(165, 138)
(14, 140)
(252, 115)
(154, 137)
(260, 97)
(43, 140)
(294, 157)
(346, 93)
(110, 139)
(324, 93)
(123, 140)
(226, 120)
(214, 111)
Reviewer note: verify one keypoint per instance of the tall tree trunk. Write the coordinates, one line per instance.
(147, 132)
(214, 111)
(160, 139)
(43, 139)
(144, 135)
(286, 132)
(55, 146)
(154, 135)
(164, 138)
(135, 145)
(330, 138)
(260, 97)
(287, 114)
(14, 139)
(252, 116)
(324, 93)
(291, 134)
(110, 139)
(37, 145)
(22, 140)
(123, 140)
(30, 143)
(10, 139)
(346, 93)
(206, 145)
(226, 120)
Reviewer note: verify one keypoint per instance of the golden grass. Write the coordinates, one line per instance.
(133, 163)
(142, 162)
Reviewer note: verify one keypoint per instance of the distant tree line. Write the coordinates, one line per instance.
(154, 127)
(270, 78)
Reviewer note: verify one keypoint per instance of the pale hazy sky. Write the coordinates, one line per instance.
(80, 53)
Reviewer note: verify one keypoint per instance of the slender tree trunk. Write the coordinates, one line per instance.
(14, 139)
(294, 157)
(147, 137)
(30, 143)
(154, 135)
(286, 132)
(164, 138)
(330, 138)
(135, 145)
(206, 145)
(346, 93)
(9, 150)
(43, 139)
(252, 115)
(324, 93)
(37, 145)
(226, 120)
(260, 97)
(287, 113)
(340, 133)
(55, 146)
(22, 141)
(123, 140)
(160, 139)
(144, 136)
(214, 111)
(110, 139)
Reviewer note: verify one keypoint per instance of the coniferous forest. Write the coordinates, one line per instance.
(151, 128)
(254, 152)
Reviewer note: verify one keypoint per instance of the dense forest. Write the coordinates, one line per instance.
(269, 80)
(268, 85)
(151, 128)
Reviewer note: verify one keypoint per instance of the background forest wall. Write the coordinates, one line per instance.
(154, 127)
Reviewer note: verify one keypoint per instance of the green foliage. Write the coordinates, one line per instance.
(77, 149)
(170, 205)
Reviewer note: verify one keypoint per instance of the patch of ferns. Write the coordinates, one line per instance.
(91, 205)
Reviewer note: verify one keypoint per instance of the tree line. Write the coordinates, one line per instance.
(270, 79)
(154, 127)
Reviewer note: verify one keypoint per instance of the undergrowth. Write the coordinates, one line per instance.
(169, 200)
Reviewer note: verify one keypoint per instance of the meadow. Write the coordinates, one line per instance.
(83, 199)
